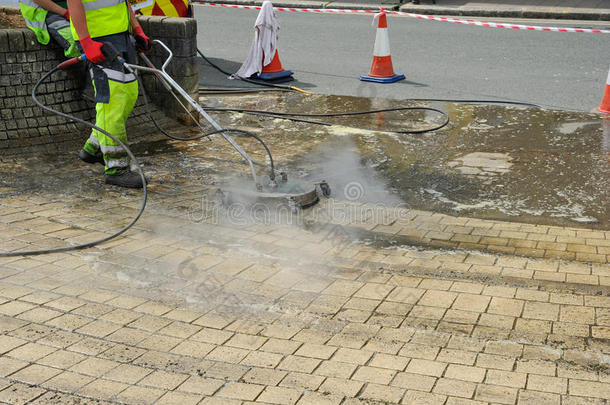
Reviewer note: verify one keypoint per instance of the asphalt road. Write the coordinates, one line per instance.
(440, 60)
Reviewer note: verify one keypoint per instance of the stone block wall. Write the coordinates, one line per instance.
(180, 36)
(24, 125)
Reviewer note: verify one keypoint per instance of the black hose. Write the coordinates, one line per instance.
(235, 90)
(270, 114)
(258, 82)
(289, 115)
(292, 88)
(351, 113)
(129, 153)
(206, 134)
(248, 133)
(475, 101)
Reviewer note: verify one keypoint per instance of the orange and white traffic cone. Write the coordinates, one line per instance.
(382, 70)
(265, 39)
(605, 105)
(274, 72)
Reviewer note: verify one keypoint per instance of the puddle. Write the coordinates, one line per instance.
(482, 164)
(567, 128)
(495, 162)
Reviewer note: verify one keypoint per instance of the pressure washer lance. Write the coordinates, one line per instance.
(171, 85)
(296, 199)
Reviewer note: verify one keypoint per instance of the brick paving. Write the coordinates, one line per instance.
(195, 306)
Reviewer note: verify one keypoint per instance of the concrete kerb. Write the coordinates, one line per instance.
(519, 12)
(566, 13)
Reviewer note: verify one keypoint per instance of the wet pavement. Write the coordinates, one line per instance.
(465, 265)
(497, 162)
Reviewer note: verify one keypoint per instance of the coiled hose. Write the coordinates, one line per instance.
(127, 150)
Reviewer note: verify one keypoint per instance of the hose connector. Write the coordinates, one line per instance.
(71, 61)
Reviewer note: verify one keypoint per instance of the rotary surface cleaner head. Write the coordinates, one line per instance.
(275, 195)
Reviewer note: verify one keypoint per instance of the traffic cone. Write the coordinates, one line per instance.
(382, 70)
(274, 72)
(605, 105)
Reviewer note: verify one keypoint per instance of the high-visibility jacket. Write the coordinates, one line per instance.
(34, 17)
(104, 17)
(169, 8)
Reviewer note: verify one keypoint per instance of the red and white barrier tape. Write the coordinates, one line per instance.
(420, 16)
(298, 10)
(501, 25)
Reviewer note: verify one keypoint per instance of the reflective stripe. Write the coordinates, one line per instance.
(93, 140)
(112, 149)
(117, 163)
(382, 43)
(29, 3)
(36, 24)
(58, 25)
(119, 76)
(98, 4)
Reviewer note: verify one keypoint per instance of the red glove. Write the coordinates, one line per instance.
(142, 41)
(93, 50)
(66, 15)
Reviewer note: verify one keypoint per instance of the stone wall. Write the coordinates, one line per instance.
(180, 35)
(23, 61)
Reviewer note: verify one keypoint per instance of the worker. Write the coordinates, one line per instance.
(101, 25)
(49, 19)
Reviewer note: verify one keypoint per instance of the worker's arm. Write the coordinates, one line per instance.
(142, 40)
(132, 17)
(51, 6)
(93, 49)
(77, 14)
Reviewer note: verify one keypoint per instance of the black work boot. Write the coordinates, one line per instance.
(89, 158)
(126, 178)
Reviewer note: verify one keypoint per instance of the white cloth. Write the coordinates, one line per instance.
(266, 29)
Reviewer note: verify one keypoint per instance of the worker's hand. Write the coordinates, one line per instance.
(93, 50)
(66, 15)
(142, 41)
